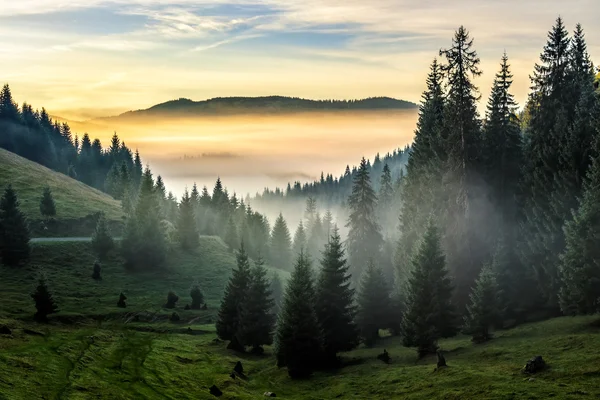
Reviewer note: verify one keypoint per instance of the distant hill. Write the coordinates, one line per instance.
(268, 104)
(75, 201)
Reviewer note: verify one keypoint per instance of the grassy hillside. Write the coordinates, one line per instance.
(110, 362)
(73, 198)
(68, 266)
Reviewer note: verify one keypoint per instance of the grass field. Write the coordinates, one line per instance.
(108, 361)
(73, 199)
(92, 349)
(68, 267)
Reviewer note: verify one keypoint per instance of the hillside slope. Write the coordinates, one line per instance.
(73, 199)
(65, 263)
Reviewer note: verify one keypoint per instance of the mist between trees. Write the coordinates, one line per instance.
(484, 222)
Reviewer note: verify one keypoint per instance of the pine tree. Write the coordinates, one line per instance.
(231, 236)
(228, 322)
(197, 297)
(299, 240)
(310, 212)
(9, 111)
(144, 243)
(580, 262)
(256, 318)
(334, 302)
(327, 224)
(187, 231)
(430, 313)
(421, 191)
(102, 241)
(364, 238)
(483, 312)
(44, 302)
(281, 245)
(298, 344)
(465, 212)
(503, 155)
(374, 305)
(47, 206)
(316, 239)
(558, 153)
(277, 291)
(14, 232)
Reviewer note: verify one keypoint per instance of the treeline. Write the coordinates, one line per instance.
(498, 223)
(32, 134)
(513, 193)
(331, 191)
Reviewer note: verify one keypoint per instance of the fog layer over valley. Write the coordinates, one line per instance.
(256, 151)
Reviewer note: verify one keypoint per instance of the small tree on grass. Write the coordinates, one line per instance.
(121, 303)
(430, 313)
(172, 300)
(197, 297)
(228, 321)
(483, 313)
(14, 232)
(373, 304)
(334, 303)
(298, 335)
(102, 242)
(97, 271)
(256, 318)
(47, 206)
(44, 302)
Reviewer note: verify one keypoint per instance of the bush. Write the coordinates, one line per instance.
(197, 297)
(97, 270)
(172, 299)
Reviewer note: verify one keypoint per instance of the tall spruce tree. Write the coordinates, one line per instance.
(421, 192)
(144, 243)
(299, 240)
(187, 232)
(298, 343)
(364, 238)
(257, 320)
(464, 208)
(558, 152)
(281, 245)
(277, 291)
(47, 206)
(231, 235)
(483, 312)
(580, 262)
(503, 154)
(374, 305)
(334, 302)
(228, 322)
(14, 231)
(430, 314)
(102, 241)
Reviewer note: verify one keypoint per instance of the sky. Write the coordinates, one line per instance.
(87, 58)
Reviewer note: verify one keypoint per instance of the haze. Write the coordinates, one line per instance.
(251, 152)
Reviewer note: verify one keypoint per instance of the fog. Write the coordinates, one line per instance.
(254, 151)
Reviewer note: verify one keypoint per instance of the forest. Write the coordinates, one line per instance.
(484, 223)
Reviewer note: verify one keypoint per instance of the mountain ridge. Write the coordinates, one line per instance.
(262, 104)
